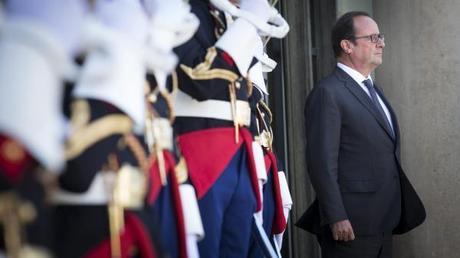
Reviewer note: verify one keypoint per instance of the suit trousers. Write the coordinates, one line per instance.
(376, 246)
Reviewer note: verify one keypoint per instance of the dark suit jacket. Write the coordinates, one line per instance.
(354, 162)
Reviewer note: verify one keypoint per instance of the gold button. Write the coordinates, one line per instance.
(12, 151)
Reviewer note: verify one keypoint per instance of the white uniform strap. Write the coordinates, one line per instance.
(193, 226)
(97, 193)
(186, 106)
(287, 202)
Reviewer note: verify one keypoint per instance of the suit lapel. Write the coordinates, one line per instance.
(394, 120)
(363, 98)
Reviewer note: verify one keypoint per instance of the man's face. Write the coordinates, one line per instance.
(365, 53)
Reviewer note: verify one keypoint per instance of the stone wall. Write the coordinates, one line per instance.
(421, 77)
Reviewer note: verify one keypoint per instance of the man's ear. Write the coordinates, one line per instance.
(346, 46)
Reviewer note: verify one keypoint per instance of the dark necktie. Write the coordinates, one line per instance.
(376, 102)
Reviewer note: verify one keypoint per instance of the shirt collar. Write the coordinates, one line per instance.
(357, 76)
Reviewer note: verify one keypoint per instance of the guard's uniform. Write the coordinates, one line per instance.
(212, 119)
(164, 200)
(33, 63)
(98, 151)
(276, 198)
(273, 220)
(107, 174)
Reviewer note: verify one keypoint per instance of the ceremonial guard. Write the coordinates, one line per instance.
(100, 205)
(37, 45)
(171, 195)
(166, 147)
(213, 117)
(277, 201)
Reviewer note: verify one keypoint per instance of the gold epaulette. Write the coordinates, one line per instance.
(86, 136)
(203, 70)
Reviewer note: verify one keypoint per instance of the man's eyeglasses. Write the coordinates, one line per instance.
(374, 38)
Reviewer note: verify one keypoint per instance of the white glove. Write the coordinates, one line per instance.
(254, 8)
(280, 27)
(259, 8)
(240, 42)
(39, 37)
(125, 16)
(33, 64)
(64, 18)
(259, 14)
(172, 24)
(114, 70)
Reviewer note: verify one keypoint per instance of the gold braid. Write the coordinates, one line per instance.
(136, 148)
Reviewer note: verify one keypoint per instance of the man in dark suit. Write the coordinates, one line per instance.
(353, 152)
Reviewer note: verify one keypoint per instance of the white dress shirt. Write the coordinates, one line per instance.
(359, 78)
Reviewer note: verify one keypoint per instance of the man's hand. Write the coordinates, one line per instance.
(342, 231)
